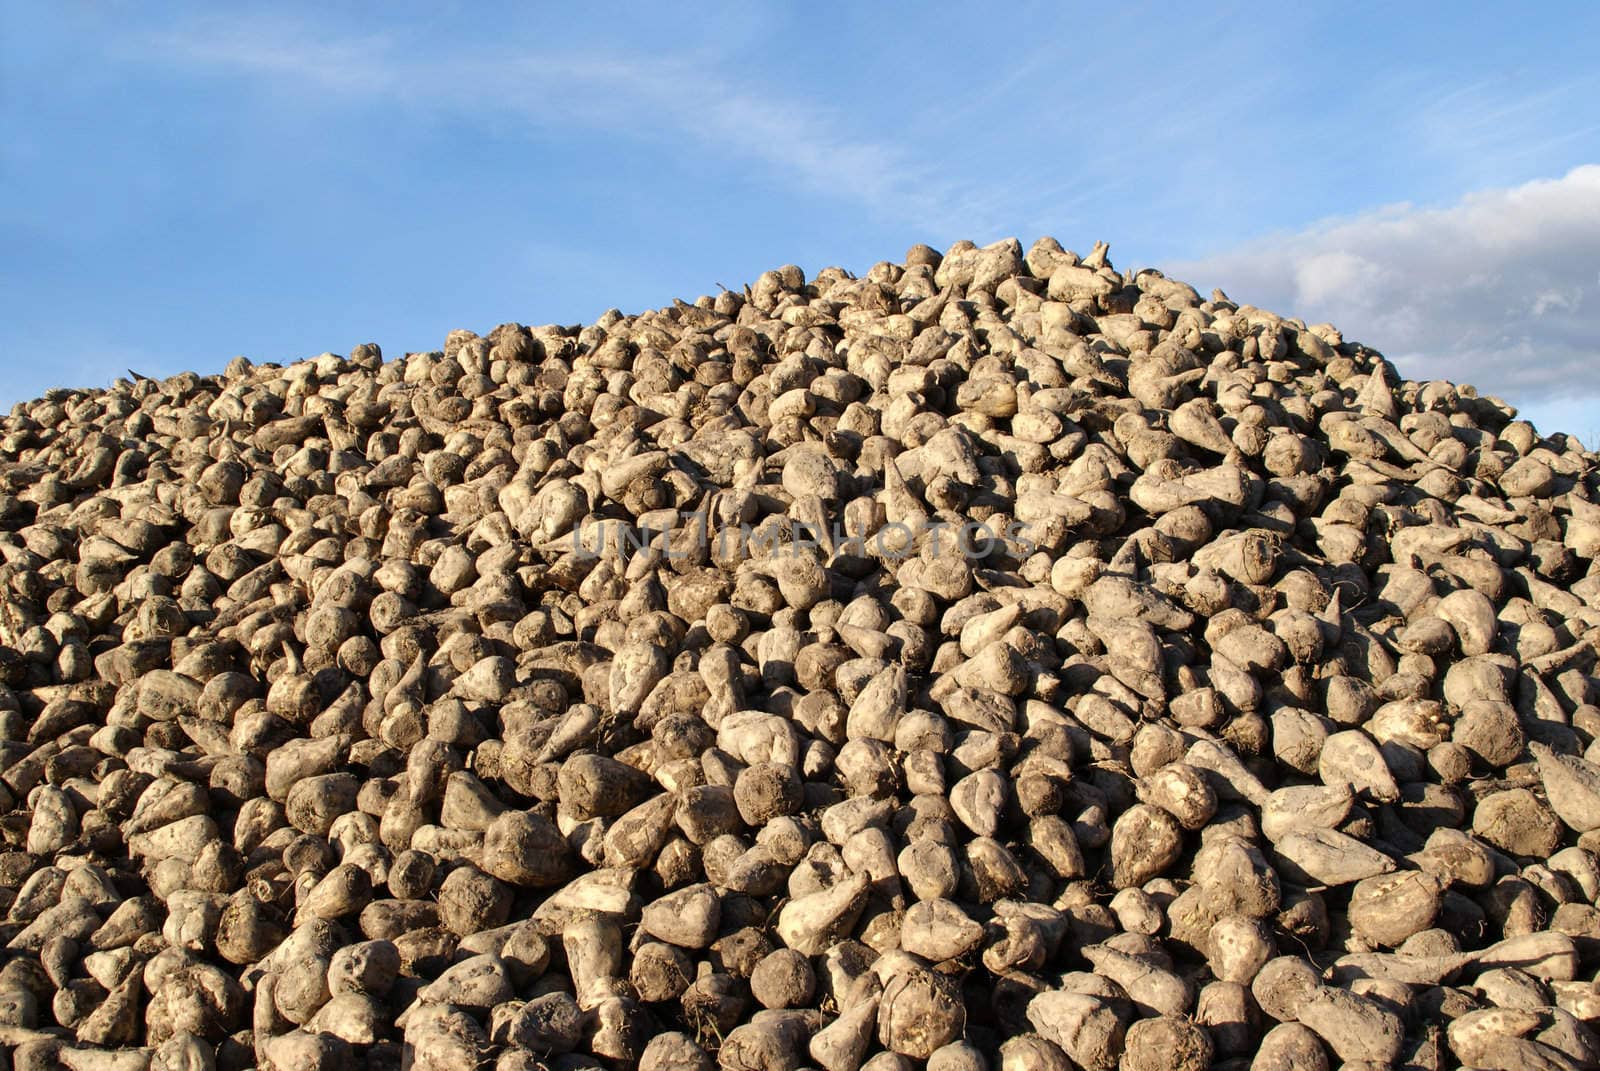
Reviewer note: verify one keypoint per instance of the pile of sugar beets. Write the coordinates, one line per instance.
(995, 661)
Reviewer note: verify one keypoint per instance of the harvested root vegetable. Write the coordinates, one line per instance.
(992, 661)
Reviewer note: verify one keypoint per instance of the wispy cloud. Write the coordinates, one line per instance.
(1501, 289)
(1497, 122)
(277, 48)
(691, 99)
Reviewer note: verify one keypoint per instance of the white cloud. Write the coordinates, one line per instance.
(1563, 299)
(273, 47)
(1501, 289)
(690, 99)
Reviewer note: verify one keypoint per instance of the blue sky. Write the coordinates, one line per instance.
(180, 185)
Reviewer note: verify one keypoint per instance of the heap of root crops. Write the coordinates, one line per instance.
(993, 661)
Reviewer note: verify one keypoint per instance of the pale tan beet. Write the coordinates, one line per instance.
(1290, 1047)
(1086, 1028)
(1392, 907)
(1549, 955)
(686, 917)
(1167, 1042)
(1408, 968)
(525, 850)
(770, 1040)
(1518, 822)
(1572, 787)
(1144, 843)
(1328, 857)
(1490, 728)
(1472, 616)
(1305, 807)
(810, 924)
(1282, 986)
(1483, 1035)
(1353, 758)
(1231, 1020)
(1298, 737)
(672, 1050)
(938, 930)
(843, 1043)
(918, 1014)
(1247, 557)
(1025, 1052)
(1238, 948)
(1353, 1027)
(1183, 792)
